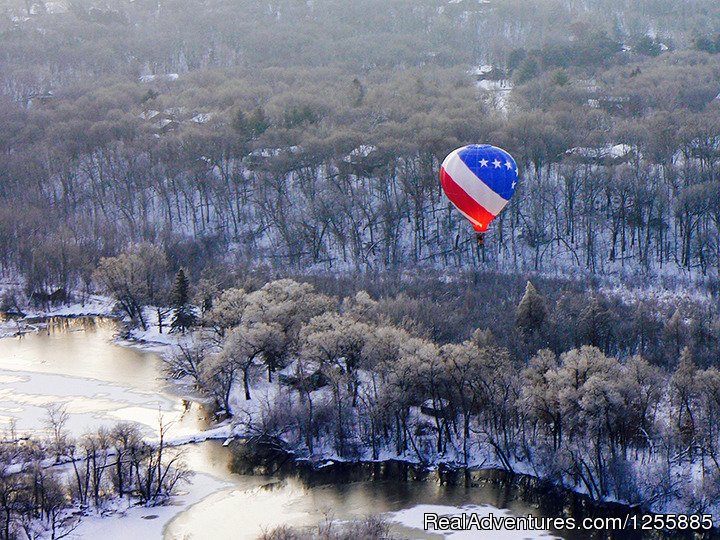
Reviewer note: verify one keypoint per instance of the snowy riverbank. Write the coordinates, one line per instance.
(272, 400)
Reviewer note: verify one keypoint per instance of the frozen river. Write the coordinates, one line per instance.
(76, 363)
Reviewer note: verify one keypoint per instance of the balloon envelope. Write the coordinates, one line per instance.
(479, 179)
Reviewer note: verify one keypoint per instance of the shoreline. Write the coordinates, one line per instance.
(543, 495)
(541, 492)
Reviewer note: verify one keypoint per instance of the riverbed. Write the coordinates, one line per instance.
(79, 363)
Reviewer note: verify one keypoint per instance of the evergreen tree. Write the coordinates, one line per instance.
(183, 315)
(528, 69)
(531, 310)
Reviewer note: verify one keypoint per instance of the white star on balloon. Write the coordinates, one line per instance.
(514, 184)
(497, 164)
(508, 165)
(483, 162)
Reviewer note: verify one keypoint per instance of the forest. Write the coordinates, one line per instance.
(246, 148)
(360, 379)
(262, 179)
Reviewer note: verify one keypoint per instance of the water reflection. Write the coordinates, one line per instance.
(74, 361)
(253, 505)
(80, 347)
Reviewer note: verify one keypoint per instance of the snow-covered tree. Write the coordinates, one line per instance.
(247, 343)
(335, 339)
(361, 306)
(403, 390)
(382, 348)
(218, 376)
(287, 305)
(134, 278)
(531, 311)
(539, 395)
(227, 311)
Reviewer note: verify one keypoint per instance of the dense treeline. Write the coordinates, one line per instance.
(335, 172)
(574, 313)
(51, 43)
(333, 164)
(47, 484)
(357, 384)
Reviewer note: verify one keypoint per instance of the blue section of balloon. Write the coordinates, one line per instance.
(494, 166)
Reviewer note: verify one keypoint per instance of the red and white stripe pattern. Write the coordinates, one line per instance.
(469, 192)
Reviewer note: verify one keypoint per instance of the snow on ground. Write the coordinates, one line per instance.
(153, 339)
(499, 92)
(140, 522)
(94, 305)
(664, 297)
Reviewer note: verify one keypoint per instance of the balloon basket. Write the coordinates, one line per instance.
(480, 240)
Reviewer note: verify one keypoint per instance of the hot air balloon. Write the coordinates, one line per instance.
(479, 180)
